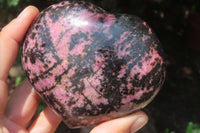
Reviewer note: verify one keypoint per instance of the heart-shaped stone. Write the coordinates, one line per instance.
(91, 66)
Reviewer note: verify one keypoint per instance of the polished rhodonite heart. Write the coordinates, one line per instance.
(91, 66)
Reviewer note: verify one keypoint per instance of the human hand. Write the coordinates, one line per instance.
(16, 113)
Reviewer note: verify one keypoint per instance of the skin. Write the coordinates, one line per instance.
(17, 111)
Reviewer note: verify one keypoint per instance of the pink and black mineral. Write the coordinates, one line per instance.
(91, 66)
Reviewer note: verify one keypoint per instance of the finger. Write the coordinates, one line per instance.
(127, 124)
(46, 122)
(10, 37)
(22, 104)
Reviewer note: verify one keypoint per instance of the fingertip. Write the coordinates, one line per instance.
(139, 122)
(126, 124)
(29, 10)
(33, 9)
(15, 31)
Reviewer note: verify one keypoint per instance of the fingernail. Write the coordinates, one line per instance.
(139, 123)
(22, 13)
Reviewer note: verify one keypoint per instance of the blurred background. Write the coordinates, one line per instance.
(176, 109)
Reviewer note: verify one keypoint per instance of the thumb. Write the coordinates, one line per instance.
(127, 124)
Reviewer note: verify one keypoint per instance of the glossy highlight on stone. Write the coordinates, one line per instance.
(91, 66)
